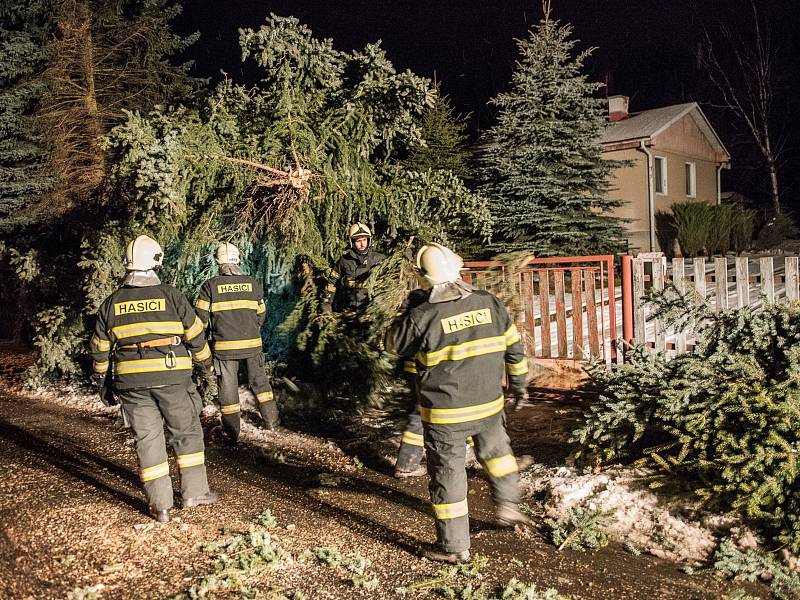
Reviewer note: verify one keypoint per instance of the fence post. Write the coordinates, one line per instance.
(627, 298)
(766, 269)
(700, 277)
(577, 313)
(679, 280)
(639, 322)
(544, 306)
(721, 276)
(659, 271)
(742, 281)
(791, 278)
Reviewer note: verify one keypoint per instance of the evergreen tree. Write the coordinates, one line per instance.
(543, 173)
(445, 135)
(24, 172)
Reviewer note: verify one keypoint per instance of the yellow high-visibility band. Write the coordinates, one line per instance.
(519, 368)
(261, 308)
(229, 409)
(191, 460)
(264, 397)
(237, 344)
(456, 352)
(461, 415)
(498, 467)
(100, 345)
(409, 366)
(452, 510)
(204, 354)
(195, 330)
(150, 365)
(512, 335)
(413, 439)
(150, 473)
(234, 305)
(470, 442)
(122, 332)
(100, 366)
(330, 287)
(202, 305)
(335, 274)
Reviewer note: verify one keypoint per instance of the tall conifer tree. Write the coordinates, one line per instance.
(542, 169)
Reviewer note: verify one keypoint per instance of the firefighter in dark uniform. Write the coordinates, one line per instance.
(149, 335)
(346, 290)
(231, 305)
(462, 340)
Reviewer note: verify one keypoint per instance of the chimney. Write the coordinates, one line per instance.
(617, 108)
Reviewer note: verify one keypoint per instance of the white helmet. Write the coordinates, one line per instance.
(227, 254)
(438, 264)
(143, 254)
(358, 230)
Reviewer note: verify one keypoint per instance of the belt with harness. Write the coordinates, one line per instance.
(170, 357)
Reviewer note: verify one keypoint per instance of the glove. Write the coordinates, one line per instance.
(208, 381)
(104, 390)
(519, 400)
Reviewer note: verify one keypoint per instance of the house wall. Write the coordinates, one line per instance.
(683, 141)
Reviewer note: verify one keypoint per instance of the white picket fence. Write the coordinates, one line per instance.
(724, 282)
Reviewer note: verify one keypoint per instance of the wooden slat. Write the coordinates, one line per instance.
(767, 269)
(792, 293)
(530, 317)
(742, 281)
(577, 314)
(700, 277)
(659, 270)
(679, 281)
(638, 305)
(544, 306)
(721, 277)
(591, 314)
(561, 314)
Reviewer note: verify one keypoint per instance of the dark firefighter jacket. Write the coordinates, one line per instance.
(133, 315)
(232, 306)
(461, 348)
(346, 289)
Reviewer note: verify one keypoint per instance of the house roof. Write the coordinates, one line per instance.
(648, 124)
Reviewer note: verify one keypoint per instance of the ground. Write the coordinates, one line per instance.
(72, 515)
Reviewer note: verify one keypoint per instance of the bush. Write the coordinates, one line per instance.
(742, 226)
(718, 240)
(692, 223)
(726, 416)
(775, 232)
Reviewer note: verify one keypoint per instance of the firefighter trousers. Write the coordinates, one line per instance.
(147, 411)
(228, 381)
(445, 447)
(412, 444)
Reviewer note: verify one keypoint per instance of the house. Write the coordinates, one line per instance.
(674, 156)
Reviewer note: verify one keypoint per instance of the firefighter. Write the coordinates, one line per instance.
(149, 336)
(462, 339)
(231, 305)
(346, 289)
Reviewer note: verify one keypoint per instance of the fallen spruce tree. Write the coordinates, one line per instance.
(725, 417)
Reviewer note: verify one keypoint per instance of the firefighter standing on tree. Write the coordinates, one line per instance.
(145, 330)
(232, 306)
(462, 339)
(346, 289)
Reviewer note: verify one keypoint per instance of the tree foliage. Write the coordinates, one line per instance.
(543, 173)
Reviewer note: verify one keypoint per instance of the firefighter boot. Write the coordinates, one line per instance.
(207, 498)
(437, 554)
(508, 515)
(162, 516)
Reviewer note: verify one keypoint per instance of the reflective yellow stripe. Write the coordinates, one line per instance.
(480, 347)
(202, 304)
(264, 397)
(150, 473)
(470, 442)
(234, 305)
(229, 409)
(451, 511)
(498, 467)
(191, 460)
(261, 308)
(412, 439)
(330, 287)
(335, 274)
(100, 345)
(204, 354)
(100, 366)
(149, 365)
(461, 415)
(519, 368)
(409, 366)
(512, 335)
(157, 327)
(195, 330)
(238, 344)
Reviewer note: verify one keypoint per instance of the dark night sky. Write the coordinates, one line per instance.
(645, 48)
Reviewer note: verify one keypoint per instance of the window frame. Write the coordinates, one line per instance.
(691, 191)
(663, 179)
